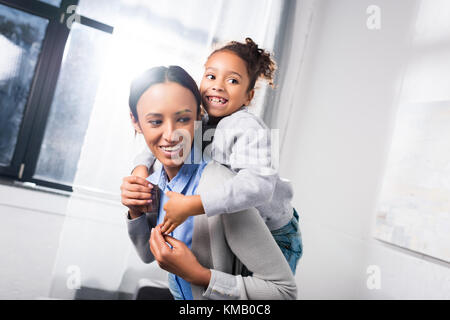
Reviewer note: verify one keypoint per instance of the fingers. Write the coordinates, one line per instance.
(137, 192)
(126, 186)
(164, 224)
(157, 244)
(132, 202)
(154, 246)
(165, 227)
(136, 195)
(172, 241)
(137, 180)
(169, 193)
(159, 239)
(170, 228)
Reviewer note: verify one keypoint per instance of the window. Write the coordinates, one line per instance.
(21, 37)
(72, 104)
(65, 75)
(47, 63)
(56, 3)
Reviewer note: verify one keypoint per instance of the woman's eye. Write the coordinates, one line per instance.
(185, 119)
(155, 122)
(210, 77)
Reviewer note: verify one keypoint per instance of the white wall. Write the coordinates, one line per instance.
(31, 223)
(340, 115)
(43, 234)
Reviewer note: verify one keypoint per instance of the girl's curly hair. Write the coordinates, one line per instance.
(259, 61)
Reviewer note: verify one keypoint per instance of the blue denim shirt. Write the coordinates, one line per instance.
(185, 182)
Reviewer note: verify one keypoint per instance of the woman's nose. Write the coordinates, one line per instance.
(168, 133)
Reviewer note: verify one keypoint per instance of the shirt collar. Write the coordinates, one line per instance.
(179, 182)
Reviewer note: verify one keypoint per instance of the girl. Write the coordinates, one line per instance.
(227, 88)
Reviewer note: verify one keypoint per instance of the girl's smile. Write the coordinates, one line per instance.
(217, 102)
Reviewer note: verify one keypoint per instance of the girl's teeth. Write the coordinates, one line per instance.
(217, 100)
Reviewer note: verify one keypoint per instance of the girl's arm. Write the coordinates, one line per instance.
(143, 163)
(249, 152)
(248, 149)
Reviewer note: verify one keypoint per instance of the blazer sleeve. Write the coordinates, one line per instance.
(139, 233)
(251, 242)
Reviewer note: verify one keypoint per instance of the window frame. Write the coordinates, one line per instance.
(37, 109)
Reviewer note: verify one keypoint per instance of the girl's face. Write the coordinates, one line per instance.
(167, 112)
(224, 84)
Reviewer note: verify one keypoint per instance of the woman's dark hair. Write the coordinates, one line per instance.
(158, 75)
(259, 62)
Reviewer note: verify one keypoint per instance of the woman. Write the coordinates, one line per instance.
(205, 257)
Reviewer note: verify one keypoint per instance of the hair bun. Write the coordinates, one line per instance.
(251, 43)
(253, 47)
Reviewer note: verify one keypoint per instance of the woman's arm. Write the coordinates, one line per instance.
(139, 233)
(136, 195)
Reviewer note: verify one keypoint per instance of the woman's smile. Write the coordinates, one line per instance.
(172, 151)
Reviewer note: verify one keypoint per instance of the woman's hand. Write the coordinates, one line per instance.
(179, 259)
(137, 196)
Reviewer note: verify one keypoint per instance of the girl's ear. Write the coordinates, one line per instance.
(250, 96)
(135, 123)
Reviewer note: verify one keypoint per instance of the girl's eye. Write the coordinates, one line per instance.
(233, 81)
(210, 77)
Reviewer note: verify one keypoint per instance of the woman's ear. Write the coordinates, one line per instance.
(201, 113)
(135, 123)
(250, 96)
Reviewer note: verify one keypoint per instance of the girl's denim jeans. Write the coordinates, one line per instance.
(289, 239)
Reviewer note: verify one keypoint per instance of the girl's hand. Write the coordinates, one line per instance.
(136, 195)
(179, 259)
(178, 208)
(140, 171)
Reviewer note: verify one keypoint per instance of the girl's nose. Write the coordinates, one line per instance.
(217, 87)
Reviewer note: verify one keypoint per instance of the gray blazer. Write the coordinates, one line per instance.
(224, 243)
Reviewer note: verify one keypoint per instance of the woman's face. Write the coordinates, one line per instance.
(167, 112)
(224, 84)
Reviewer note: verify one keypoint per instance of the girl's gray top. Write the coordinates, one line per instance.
(243, 143)
(224, 243)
